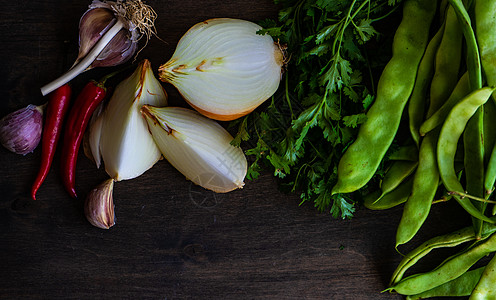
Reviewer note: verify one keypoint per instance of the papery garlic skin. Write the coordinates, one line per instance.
(94, 23)
(197, 147)
(99, 205)
(126, 146)
(20, 131)
(224, 69)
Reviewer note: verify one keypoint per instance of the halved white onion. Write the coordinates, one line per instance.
(223, 68)
(197, 147)
(126, 146)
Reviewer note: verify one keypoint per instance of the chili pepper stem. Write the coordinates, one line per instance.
(103, 80)
(85, 62)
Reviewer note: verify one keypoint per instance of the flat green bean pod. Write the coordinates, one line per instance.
(473, 56)
(486, 287)
(485, 24)
(489, 130)
(418, 100)
(490, 176)
(409, 153)
(425, 185)
(447, 62)
(450, 269)
(361, 160)
(447, 240)
(396, 174)
(461, 90)
(378, 201)
(461, 286)
(473, 148)
(451, 131)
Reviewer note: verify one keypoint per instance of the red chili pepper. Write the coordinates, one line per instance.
(57, 107)
(84, 106)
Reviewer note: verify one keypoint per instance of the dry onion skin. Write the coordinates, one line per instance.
(224, 69)
(198, 147)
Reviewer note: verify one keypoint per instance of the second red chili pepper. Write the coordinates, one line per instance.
(77, 121)
(57, 107)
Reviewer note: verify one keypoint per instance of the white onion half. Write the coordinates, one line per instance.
(197, 147)
(126, 146)
(223, 68)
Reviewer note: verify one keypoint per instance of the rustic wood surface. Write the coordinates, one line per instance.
(172, 240)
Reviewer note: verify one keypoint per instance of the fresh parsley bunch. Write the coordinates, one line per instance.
(328, 85)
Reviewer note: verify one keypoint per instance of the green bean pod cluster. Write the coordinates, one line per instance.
(448, 94)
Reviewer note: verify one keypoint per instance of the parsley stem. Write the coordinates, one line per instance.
(300, 169)
(385, 15)
(286, 90)
(369, 68)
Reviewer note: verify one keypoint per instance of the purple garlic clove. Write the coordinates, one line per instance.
(95, 22)
(20, 131)
(92, 26)
(99, 205)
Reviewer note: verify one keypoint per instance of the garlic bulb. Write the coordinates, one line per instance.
(223, 68)
(108, 33)
(125, 144)
(197, 147)
(20, 131)
(99, 205)
(93, 24)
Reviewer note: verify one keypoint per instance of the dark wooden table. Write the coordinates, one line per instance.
(172, 240)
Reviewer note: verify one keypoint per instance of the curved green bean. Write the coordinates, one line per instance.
(461, 286)
(378, 201)
(451, 131)
(396, 174)
(447, 62)
(489, 129)
(490, 176)
(473, 147)
(418, 99)
(447, 240)
(486, 287)
(425, 184)
(409, 153)
(473, 56)
(489, 138)
(461, 90)
(485, 25)
(450, 269)
(361, 160)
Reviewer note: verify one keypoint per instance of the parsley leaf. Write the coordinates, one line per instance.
(302, 132)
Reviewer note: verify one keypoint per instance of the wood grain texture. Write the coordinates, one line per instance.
(172, 240)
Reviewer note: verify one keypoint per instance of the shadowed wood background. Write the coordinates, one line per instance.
(172, 240)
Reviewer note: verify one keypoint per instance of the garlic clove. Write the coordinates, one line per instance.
(20, 131)
(126, 146)
(99, 205)
(110, 57)
(92, 26)
(224, 69)
(197, 147)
